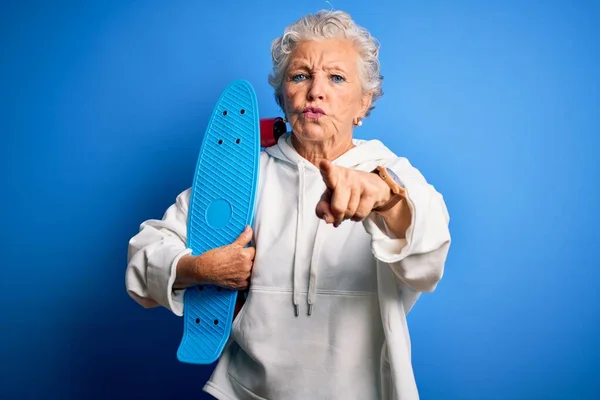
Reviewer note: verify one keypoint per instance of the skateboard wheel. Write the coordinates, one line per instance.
(271, 130)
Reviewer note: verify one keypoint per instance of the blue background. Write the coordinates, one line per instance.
(103, 110)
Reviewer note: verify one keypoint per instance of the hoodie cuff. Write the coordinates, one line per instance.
(161, 279)
(385, 246)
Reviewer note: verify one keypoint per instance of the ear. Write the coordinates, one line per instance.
(365, 103)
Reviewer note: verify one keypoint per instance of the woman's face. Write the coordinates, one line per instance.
(322, 92)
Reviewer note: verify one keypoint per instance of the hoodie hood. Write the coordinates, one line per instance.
(365, 151)
(364, 156)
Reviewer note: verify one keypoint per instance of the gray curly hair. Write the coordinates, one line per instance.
(327, 25)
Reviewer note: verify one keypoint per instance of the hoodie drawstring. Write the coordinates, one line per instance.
(301, 179)
(312, 281)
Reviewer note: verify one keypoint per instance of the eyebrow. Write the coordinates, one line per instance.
(303, 66)
(296, 66)
(336, 67)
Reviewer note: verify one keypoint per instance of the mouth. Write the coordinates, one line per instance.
(313, 112)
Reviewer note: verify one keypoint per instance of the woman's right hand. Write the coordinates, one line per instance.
(229, 266)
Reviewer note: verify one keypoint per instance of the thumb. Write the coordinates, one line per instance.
(244, 238)
(329, 173)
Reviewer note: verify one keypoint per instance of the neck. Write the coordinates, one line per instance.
(317, 151)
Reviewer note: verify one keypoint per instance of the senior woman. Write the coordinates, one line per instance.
(347, 235)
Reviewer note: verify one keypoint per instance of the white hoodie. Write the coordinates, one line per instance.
(325, 315)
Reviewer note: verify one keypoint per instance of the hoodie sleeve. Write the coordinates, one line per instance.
(152, 256)
(418, 261)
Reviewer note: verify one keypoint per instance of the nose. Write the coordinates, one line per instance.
(317, 88)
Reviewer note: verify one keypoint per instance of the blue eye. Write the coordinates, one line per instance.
(298, 77)
(338, 78)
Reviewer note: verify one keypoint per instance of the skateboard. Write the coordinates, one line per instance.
(222, 203)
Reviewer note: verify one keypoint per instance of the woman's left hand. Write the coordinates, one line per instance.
(350, 194)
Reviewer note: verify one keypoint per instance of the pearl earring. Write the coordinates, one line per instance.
(357, 122)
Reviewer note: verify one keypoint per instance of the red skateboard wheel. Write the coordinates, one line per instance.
(270, 131)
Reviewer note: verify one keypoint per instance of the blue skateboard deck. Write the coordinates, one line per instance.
(222, 203)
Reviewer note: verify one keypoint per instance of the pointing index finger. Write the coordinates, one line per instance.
(329, 174)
